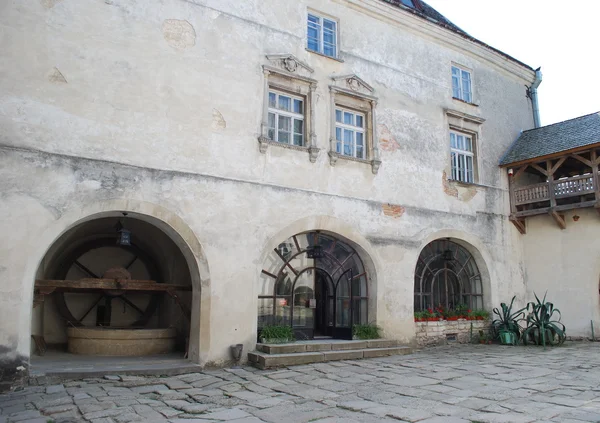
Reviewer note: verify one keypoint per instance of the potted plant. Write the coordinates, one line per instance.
(421, 316)
(508, 320)
(479, 315)
(542, 328)
(507, 337)
(368, 331)
(276, 334)
(462, 311)
(450, 315)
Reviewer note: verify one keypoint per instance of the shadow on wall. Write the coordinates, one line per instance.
(13, 368)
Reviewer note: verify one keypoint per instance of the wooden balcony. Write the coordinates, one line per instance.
(554, 186)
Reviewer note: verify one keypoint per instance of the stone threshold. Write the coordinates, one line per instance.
(269, 356)
(324, 345)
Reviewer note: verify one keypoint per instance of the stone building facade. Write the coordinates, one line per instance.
(166, 111)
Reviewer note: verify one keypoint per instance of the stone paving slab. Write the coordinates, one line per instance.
(452, 384)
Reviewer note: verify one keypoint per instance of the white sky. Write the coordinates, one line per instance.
(561, 36)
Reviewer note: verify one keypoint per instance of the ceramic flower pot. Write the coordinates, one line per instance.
(508, 338)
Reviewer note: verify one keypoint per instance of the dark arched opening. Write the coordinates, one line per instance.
(447, 274)
(317, 284)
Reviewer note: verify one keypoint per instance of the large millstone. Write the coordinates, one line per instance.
(120, 342)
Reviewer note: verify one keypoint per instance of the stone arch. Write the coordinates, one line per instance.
(164, 219)
(333, 227)
(475, 248)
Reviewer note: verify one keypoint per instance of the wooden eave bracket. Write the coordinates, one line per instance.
(519, 224)
(559, 219)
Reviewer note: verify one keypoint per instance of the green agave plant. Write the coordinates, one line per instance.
(542, 329)
(508, 321)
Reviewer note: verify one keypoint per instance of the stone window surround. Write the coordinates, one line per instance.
(469, 125)
(364, 103)
(298, 85)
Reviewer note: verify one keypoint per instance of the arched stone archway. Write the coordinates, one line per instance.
(173, 228)
(323, 279)
(451, 271)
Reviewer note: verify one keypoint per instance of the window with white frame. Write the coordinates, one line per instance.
(322, 35)
(350, 133)
(286, 118)
(461, 84)
(462, 157)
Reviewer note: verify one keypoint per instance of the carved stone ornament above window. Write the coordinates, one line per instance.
(290, 63)
(463, 121)
(352, 96)
(353, 83)
(287, 76)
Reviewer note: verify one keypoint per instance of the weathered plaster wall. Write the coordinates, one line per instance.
(235, 222)
(175, 91)
(565, 263)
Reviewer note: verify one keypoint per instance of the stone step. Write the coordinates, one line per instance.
(264, 360)
(317, 346)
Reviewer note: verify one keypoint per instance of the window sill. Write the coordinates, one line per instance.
(466, 184)
(375, 163)
(324, 55)
(264, 144)
(465, 102)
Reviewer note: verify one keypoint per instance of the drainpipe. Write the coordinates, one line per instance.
(534, 97)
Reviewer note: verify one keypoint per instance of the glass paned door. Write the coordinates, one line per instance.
(343, 315)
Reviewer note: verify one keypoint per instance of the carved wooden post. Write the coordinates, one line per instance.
(594, 160)
(511, 191)
(550, 175)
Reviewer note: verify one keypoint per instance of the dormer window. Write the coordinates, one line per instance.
(321, 35)
(408, 3)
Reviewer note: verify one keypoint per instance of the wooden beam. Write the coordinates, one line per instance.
(551, 192)
(184, 309)
(532, 212)
(110, 284)
(539, 169)
(574, 206)
(557, 165)
(582, 149)
(597, 206)
(559, 219)
(582, 159)
(519, 224)
(39, 294)
(595, 157)
(520, 171)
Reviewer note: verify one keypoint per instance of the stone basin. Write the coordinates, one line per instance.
(120, 341)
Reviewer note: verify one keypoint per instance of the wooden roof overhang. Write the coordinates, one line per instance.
(568, 174)
(552, 156)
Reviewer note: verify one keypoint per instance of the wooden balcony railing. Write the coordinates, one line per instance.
(563, 188)
(559, 193)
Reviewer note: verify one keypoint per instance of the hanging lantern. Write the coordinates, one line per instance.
(314, 252)
(123, 235)
(447, 254)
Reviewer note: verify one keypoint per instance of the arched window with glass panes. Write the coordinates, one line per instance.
(446, 275)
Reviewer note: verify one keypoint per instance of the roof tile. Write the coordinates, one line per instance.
(562, 136)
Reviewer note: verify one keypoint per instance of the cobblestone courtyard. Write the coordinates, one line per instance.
(461, 383)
